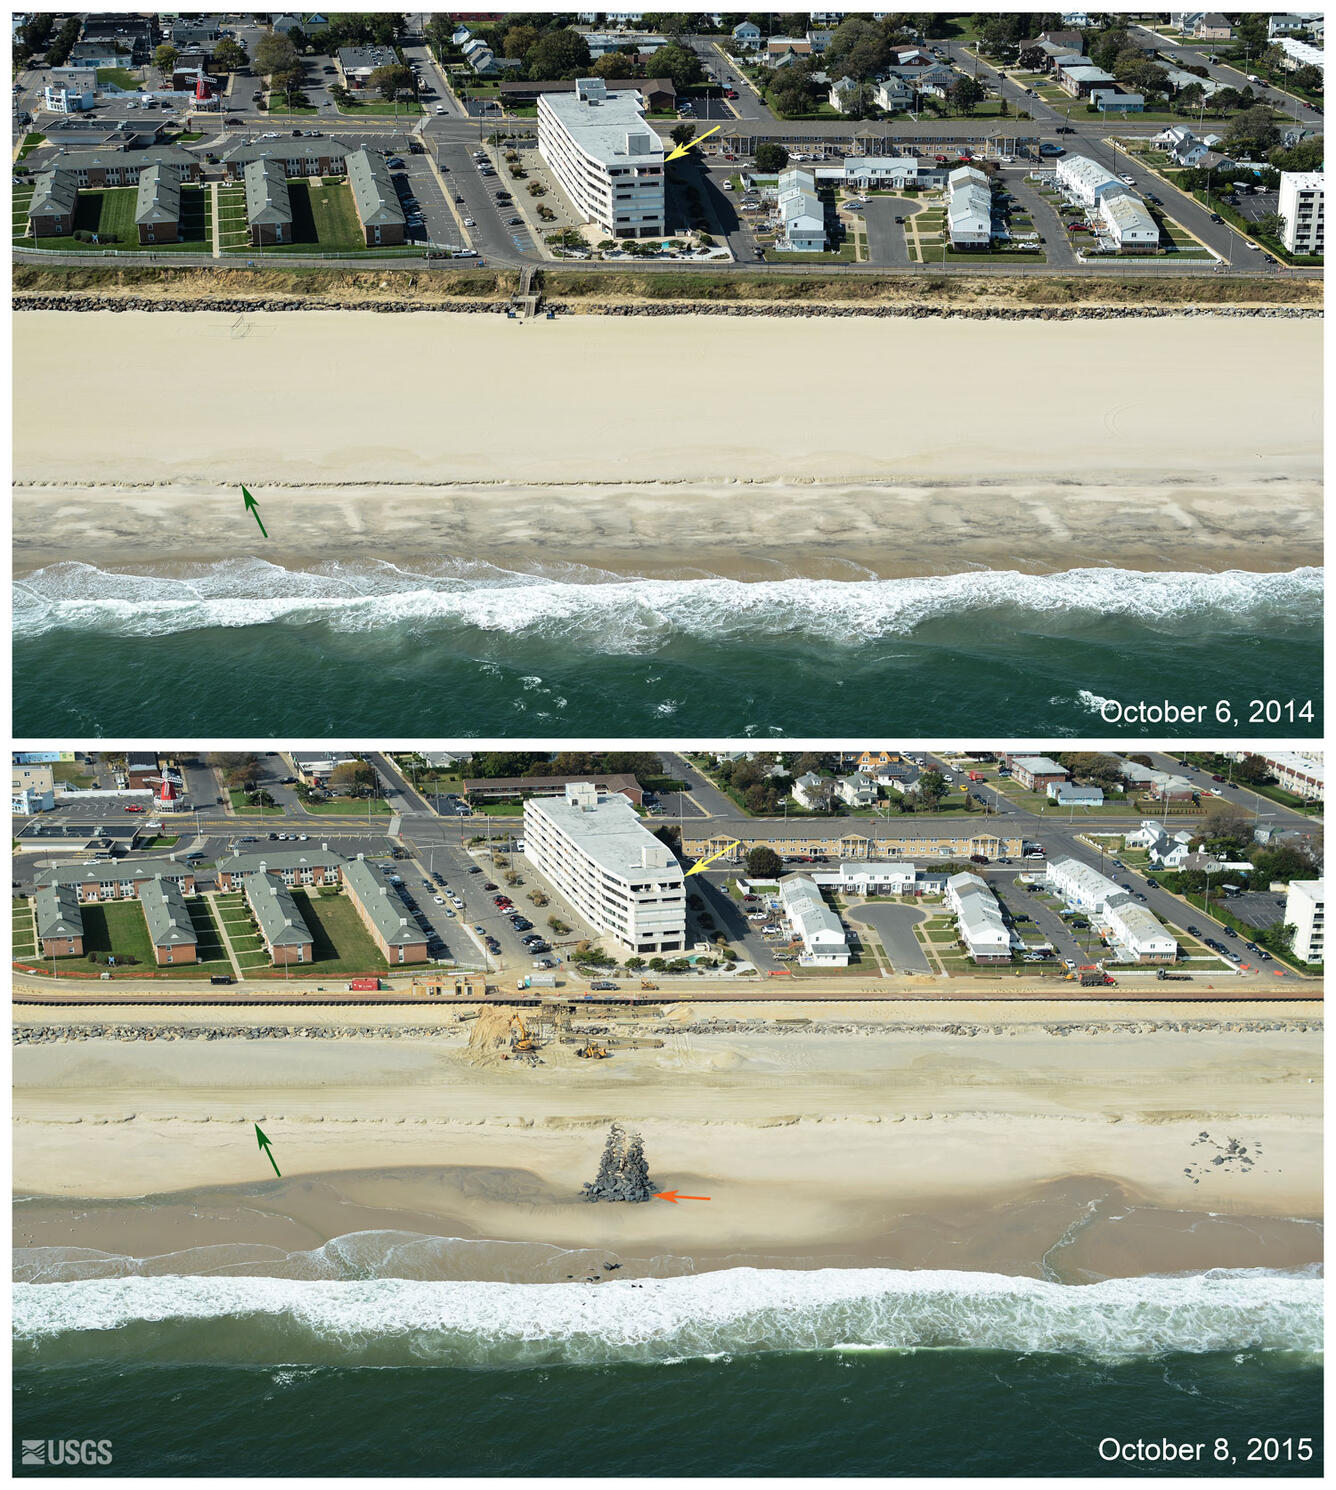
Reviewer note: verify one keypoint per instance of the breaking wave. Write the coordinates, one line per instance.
(619, 613)
(392, 1321)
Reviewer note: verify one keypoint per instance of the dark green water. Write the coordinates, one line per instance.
(584, 666)
(925, 1412)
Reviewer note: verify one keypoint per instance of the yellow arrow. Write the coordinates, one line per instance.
(681, 150)
(696, 868)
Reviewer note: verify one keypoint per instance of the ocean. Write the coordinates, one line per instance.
(739, 1372)
(468, 650)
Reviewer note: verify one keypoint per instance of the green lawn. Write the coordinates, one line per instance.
(30, 143)
(340, 943)
(348, 806)
(71, 773)
(118, 77)
(241, 806)
(324, 220)
(169, 840)
(111, 215)
(117, 929)
(402, 109)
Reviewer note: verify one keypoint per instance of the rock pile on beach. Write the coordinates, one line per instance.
(623, 1173)
(936, 312)
(1232, 1157)
(244, 306)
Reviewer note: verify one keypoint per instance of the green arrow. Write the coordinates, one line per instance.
(264, 1144)
(252, 508)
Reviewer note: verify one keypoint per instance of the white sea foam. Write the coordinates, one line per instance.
(741, 1310)
(619, 614)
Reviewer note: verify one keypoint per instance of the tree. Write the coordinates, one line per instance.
(1252, 770)
(771, 157)
(1270, 225)
(763, 863)
(236, 767)
(965, 94)
(165, 58)
(228, 55)
(520, 41)
(352, 774)
(1190, 98)
(1107, 49)
(682, 66)
(759, 798)
(1251, 31)
(562, 53)
(1307, 155)
(391, 80)
(1308, 79)
(683, 134)
(275, 54)
(931, 788)
(857, 48)
(615, 65)
(1253, 130)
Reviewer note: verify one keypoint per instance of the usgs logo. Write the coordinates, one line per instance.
(41, 1452)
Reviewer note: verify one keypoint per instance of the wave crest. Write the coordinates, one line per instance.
(616, 613)
(387, 1321)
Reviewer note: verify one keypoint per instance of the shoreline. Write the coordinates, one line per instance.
(688, 529)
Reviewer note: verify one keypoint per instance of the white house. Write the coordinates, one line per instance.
(747, 35)
(1299, 54)
(869, 877)
(1137, 932)
(845, 94)
(1085, 181)
(812, 791)
(1128, 222)
(1067, 795)
(978, 918)
(1306, 911)
(1080, 885)
(812, 920)
(801, 212)
(894, 94)
(858, 790)
(969, 208)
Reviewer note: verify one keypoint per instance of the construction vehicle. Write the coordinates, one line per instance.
(1165, 976)
(592, 1052)
(521, 1041)
(646, 985)
(1090, 977)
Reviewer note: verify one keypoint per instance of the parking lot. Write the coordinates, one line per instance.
(894, 926)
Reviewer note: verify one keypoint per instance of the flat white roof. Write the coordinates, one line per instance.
(612, 836)
(602, 129)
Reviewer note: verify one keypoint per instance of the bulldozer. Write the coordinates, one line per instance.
(592, 1052)
(646, 984)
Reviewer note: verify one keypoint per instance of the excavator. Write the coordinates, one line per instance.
(521, 1041)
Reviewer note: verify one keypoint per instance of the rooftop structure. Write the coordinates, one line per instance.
(59, 921)
(383, 912)
(979, 918)
(374, 196)
(158, 206)
(268, 205)
(282, 927)
(170, 927)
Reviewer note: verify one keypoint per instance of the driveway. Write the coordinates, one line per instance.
(894, 925)
(885, 238)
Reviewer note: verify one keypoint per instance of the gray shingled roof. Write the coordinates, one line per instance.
(159, 196)
(280, 921)
(277, 860)
(111, 874)
(155, 155)
(267, 193)
(388, 912)
(58, 912)
(56, 195)
(168, 917)
(373, 191)
(289, 149)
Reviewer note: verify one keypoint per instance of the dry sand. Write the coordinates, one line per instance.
(937, 444)
(908, 1149)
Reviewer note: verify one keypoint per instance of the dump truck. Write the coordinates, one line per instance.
(538, 980)
(1165, 976)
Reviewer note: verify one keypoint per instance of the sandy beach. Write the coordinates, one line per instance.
(337, 397)
(901, 1146)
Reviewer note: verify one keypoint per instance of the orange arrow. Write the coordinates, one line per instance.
(675, 1197)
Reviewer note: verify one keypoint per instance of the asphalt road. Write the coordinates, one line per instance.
(894, 925)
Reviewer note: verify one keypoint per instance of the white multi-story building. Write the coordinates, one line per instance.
(1302, 774)
(1128, 221)
(869, 877)
(1305, 910)
(979, 918)
(593, 849)
(1085, 180)
(606, 157)
(809, 917)
(1303, 196)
